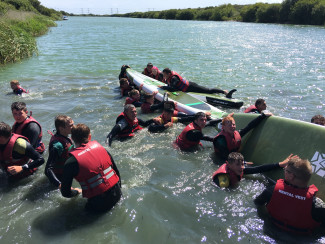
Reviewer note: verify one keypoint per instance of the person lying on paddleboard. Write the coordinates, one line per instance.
(177, 83)
(291, 204)
(191, 136)
(230, 173)
(126, 124)
(229, 139)
(153, 72)
(259, 106)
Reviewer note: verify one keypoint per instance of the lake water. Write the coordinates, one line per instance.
(168, 195)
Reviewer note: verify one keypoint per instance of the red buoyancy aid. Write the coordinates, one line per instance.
(234, 179)
(182, 142)
(96, 174)
(66, 143)
(6, 157)
(16, 91)
(146, 72)
(182, 84)
(145, 108)
(233, 143)
(19, 129)
(251, 109)
(130, 100)
(290, 207)
(131, 128)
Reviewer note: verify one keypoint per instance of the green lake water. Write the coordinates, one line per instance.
(167, 195)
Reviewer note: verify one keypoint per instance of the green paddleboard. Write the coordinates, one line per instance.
(276, 137)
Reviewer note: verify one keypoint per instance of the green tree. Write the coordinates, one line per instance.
(302, 11)
(268, 13)
(248, 12)
(170, 14)
(186, 14)
(318, 14)
(204, 14)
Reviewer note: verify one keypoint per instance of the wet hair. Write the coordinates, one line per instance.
(61, 121)
(235, 156)
(226, 119)
(317, 117)
(198, 115)
(301, 168)
(169, 106)
(19, 106)
(149, 65)
(5, 130)
(16, 82)
(80, 133)
(123, 81)
(148, 96)
(167, 71)
(133, 92)
(128, 107)
(259, 102)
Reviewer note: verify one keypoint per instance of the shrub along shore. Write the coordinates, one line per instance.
(20, 22)
(304, 12)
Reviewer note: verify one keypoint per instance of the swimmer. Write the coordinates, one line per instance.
(259, 106)
(16, 88)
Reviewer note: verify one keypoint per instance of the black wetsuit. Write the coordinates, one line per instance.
(318, 206)
(193, 87)
(221, 144)
(99, 203)
(54, 157)
(161, 127)
(121, 125)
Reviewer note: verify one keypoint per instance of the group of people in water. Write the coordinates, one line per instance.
(291, 203)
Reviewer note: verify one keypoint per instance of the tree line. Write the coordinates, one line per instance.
(306, 12)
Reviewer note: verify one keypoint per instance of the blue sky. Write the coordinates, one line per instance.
(126, 6)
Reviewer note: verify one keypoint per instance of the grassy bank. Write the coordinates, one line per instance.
(20, 22)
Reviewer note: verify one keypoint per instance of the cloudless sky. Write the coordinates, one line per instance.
(127, 6)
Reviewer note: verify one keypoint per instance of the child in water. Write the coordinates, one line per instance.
(16, 88)
(231, 172)
(133, 98)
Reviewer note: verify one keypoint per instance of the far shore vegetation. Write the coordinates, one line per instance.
(20, 22)
(302, 12)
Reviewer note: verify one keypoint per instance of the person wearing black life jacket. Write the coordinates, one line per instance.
(175, 82)
(17, 157)
(59, 147)
(27, 126)
(95, 170)
(230, 173)
(229, 139)
(259, 106)
(126, 124)
(291, 204)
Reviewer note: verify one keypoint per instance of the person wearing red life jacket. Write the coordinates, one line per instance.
(230, 173)
(191, 136)
(259, 106)
(157, 74)
(27, 126)
(291, 204)
(175, 82)
(16, 88)
(95, 170)
(229, 139)
(148, 70)
(59, 147)
(125, 87)
(17, 157)
(126, 124)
